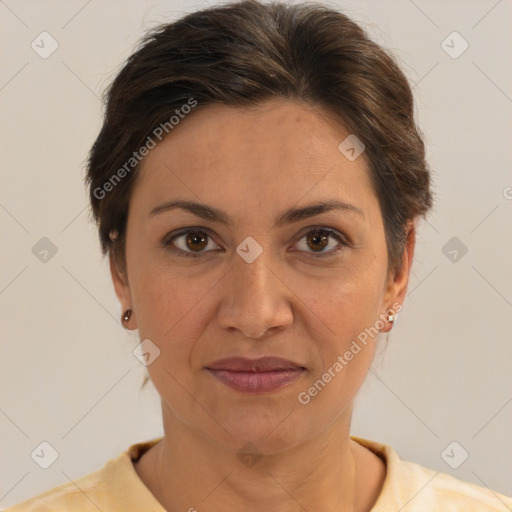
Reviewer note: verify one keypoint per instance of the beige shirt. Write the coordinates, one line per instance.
(408, 487)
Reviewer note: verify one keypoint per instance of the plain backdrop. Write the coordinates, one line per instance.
(68, 375)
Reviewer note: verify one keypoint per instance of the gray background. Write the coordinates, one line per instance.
(68, 375)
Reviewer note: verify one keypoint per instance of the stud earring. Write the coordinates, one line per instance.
(126, 317)
(390, 316)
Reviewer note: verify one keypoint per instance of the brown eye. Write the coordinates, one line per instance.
(317, 240)
(196, 240)
(191, 242)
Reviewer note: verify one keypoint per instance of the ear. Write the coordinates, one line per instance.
(121, 286)
(396, 288)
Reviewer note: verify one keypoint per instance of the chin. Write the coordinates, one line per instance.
(269, 433)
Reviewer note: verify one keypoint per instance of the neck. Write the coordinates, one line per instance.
(190, 471)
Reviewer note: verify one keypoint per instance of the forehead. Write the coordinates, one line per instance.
(278, 149)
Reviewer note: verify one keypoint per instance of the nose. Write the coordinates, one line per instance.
(256, 301)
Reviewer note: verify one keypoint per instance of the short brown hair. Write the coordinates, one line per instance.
(242, 54)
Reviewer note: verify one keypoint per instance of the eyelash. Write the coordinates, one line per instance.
(166, 243)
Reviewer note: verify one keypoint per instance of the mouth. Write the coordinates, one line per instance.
(262, 364)
(261, 375)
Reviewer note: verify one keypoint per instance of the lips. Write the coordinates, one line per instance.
(255, 376)
(263, 364)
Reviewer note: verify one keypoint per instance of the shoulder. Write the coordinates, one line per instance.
(417, 488)
(114, 487)
(78, 495)
(427, 489)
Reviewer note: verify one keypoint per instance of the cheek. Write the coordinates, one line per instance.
(348, 301)
(172, 313)
(344, 348)
(342, 319)
(165, 300)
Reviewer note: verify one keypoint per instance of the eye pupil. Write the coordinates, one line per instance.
(196, 237)
(318, 238)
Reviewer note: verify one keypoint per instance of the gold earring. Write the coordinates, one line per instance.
(126, 317)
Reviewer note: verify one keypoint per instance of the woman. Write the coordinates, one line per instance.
(257, 184)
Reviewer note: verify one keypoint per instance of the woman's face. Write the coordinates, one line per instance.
(304, 298)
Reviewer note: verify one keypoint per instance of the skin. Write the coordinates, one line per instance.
(264, 160)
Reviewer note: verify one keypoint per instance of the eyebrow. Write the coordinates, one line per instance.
(213, 214)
